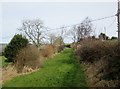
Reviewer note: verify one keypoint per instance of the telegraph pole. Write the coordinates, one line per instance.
(118, 17)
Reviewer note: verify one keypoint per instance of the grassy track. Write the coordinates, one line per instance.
(60, 71)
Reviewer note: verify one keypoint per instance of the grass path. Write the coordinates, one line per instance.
(60, 71)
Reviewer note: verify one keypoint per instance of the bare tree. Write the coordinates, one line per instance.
(81, 31)
(84, 29)
(33, 29)
(73, 33)
(62, 35)
(51, 38)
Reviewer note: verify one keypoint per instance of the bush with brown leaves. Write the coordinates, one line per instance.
(47, 51)
(28, 56)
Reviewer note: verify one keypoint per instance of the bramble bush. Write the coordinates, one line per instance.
(96, 50)
(106, 51)
(17, 42)
(112, 71)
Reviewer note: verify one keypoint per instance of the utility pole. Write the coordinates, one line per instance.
(118, 17)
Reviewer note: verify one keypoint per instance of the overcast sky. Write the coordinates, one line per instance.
(57, 14)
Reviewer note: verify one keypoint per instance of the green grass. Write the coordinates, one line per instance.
(63, 70)
(3, 63)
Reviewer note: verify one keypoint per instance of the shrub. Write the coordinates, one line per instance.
(68, 45)
(113, 67)
(114, 38)
(47, 51)
(60, 48)
(96, 50)
(28, 57)
(104, 56)
(17, 42)
(117, 50)
(85, 53)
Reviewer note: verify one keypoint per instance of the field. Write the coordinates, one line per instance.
(2, 62)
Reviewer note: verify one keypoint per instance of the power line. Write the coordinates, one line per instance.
(112, 23)
(50, 29)
(103, 18)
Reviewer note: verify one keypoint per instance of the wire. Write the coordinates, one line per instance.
(50, 29)
(112, 23)
(103, 18)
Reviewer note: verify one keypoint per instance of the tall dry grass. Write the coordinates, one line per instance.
(30, 57)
